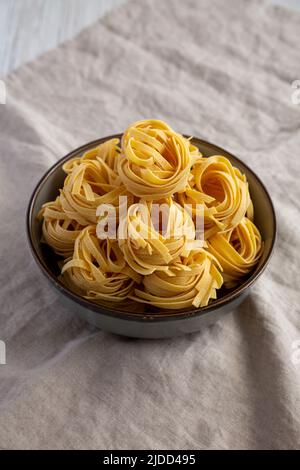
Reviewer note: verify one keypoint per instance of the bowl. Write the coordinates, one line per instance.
(130, 318)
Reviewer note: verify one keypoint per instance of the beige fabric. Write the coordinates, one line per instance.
(221, 71)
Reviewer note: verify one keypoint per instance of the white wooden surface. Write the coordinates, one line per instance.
(30, 27)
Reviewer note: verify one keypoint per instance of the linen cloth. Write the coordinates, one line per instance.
(218, 70)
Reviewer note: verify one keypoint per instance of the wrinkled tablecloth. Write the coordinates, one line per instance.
(218, 70)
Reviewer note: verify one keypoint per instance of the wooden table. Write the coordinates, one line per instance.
(30, 27)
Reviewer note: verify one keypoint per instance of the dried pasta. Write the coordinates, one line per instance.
(145, 248)
(154, 257)
(193, 281)
(97, 268)
(155, 161)
(59, 231)
(222, 189)
(237, 250)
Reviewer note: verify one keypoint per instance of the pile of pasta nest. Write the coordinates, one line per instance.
(152, 163)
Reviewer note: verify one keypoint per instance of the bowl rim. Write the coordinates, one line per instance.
(140, 317)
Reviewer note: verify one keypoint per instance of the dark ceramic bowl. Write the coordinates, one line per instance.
(131, 318)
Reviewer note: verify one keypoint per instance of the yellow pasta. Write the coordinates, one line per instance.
(107, 152)
(155, 161)
(222, 189)
(59, 231)
(87, 187)
(191, 282)
(145, 248)
(97, 269)
(237, 250)
(154, 256)
(91, 182)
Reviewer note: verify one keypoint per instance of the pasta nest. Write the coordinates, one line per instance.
(97, 270)
(191, 282)
(92, 182)
(155, 161)
(107, 152)
(237, 250)
(149, 244)
(58, 230)
(220, 190)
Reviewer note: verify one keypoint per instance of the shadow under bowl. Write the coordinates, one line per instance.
(131, 318)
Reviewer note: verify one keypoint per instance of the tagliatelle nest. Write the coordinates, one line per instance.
(147, 249)
(153, 258)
